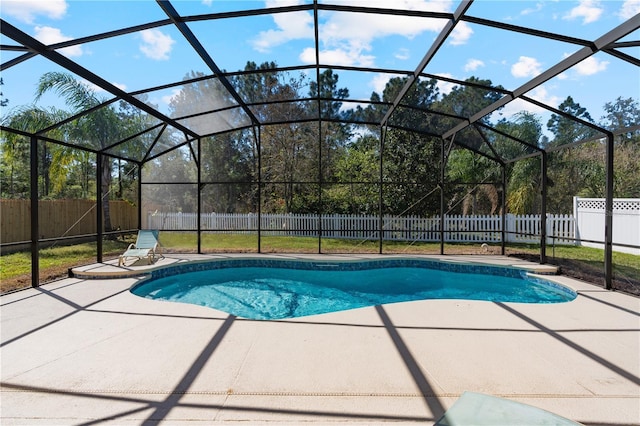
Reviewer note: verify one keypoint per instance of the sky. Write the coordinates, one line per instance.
(161, 55)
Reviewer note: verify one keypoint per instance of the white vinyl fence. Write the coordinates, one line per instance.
(590, 220)
(481, 229)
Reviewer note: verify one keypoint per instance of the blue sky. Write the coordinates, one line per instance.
(161, 55)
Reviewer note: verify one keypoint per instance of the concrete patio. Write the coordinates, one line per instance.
(86, 351)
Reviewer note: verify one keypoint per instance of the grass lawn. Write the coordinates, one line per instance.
(15, 268)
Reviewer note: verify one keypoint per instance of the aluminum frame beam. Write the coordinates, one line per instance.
(598, 45)
(437, 44)
(57, 58)
(175, 17)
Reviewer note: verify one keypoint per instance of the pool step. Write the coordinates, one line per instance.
(538, 269)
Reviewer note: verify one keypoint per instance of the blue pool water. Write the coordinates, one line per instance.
(283, 289)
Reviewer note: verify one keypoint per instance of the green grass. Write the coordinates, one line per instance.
(624, 264)
(15, 268)
(20, 263)
(584, 254)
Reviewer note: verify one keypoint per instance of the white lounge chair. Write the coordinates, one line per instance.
(478, 409)
(146, 246)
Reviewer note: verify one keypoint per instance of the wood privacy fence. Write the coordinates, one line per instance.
(60, 218)
(520, 229)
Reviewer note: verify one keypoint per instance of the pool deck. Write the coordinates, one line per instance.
(86, 351)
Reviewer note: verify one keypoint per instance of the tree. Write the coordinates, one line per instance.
(14, 167)
(470, 169)
(53, 158)
(202, 104)
(463, 101)
(620, 114)
(333, 133)
(171, 181)
(571, 172)
(287, 144)
(356, 188)
(99, 128)
(3, 101)
(566, 130)
(524, 176)
(410, 159)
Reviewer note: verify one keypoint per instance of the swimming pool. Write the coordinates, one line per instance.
(277, 289)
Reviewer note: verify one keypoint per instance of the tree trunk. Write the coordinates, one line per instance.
(106, 183)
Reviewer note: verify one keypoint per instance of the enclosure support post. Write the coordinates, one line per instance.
(99, 196)
(139, 195)
(383, 134)
(442, 201)
(256, 136)
(503, 217)
(316, 38)
(199, 208)
(320, 209)
(35, 231)
(543, 209)
(608, 216)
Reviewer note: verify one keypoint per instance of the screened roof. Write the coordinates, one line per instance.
(154, 52)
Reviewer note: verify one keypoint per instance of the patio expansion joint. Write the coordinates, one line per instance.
(6, 387)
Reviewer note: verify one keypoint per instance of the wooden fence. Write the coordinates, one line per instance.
(520, 229)
(60, 218)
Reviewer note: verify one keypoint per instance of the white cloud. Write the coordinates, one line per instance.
(538, 7)
(92, 86)
(50, 35)
(526, 67)
(444, 87)
(402, 54)
(473, 64)
(379, 82)
(540, 94)
(588, 10)
(120, 86)
(167, 99)
(27, 10)
(337, 57)
(308, 56)
(363, 28)
(98, 89)
(590, 66)
(460, 34)
(629, 8)
(350, 33)
(155, 44)
(290, 26)
(207, 2)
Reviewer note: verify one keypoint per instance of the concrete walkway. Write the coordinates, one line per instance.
(83, 352)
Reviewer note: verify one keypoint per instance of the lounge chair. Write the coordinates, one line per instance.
(479, 409)
(147, 245)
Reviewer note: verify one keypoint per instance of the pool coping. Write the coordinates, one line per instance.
(111, 270)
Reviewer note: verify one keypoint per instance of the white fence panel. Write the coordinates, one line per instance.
(471, 229)
(560, 229)
(590, 216)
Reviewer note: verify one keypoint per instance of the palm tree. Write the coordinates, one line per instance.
(53, 158)
(97, 130)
